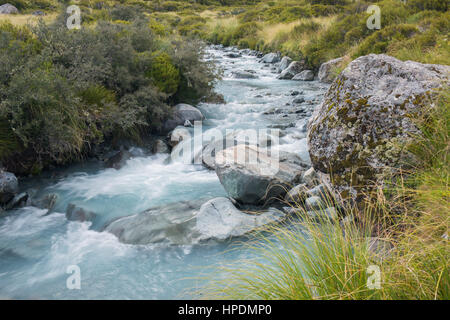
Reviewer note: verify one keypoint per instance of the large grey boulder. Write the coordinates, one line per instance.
(9, 186)
(189, 223)
(181, 114)
(294, 68)
(305, 75)
(358, 131)
(285, 62)
(249, 175)
(46, 202)
(271, 58)
(8, 9)
(328, 70)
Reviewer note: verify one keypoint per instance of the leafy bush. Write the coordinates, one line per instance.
(62, 91)
(164, 74)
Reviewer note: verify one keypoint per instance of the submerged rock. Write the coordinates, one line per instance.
(76, 213)
(47, 202)
(118, 160)
(9, 186)
(189, 223)
(233, 55)
(251, 176)
(358, 131)
(243, 75)
(327, 71)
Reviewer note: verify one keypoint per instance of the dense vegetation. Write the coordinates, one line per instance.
(64, 91)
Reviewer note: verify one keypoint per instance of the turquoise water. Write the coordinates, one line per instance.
(36, 249)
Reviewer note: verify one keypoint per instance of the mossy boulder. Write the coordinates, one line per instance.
(358, 132)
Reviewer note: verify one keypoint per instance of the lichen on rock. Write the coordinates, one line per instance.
(359, 131)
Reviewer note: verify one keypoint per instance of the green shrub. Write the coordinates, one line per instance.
(164, 74)
(379, 41)
(126, 13)
(439, 5)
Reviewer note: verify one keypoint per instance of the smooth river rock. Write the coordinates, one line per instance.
(243, 75)
(190, 222)
(249, 175)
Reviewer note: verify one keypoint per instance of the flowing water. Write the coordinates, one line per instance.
(36, 248)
